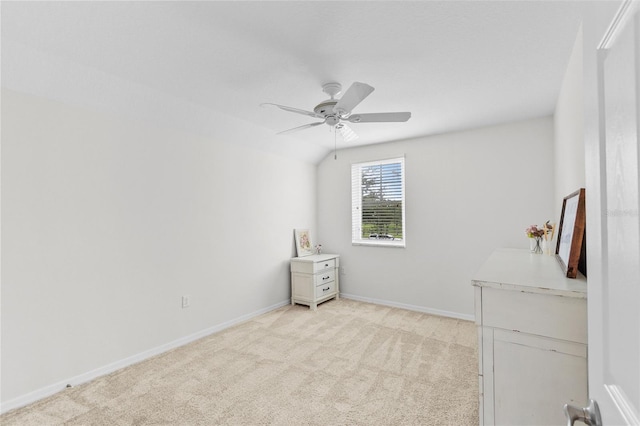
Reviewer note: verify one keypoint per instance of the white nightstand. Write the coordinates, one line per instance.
(314, 279)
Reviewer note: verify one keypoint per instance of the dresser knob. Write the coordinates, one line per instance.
(325, 278)
(325, 289)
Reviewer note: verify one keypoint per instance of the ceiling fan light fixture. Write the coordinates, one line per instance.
(348, 135)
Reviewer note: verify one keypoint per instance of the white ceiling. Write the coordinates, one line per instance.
(454, 65)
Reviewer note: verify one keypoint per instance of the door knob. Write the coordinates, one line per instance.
(589, 415)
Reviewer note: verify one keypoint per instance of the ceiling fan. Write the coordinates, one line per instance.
(338, 112)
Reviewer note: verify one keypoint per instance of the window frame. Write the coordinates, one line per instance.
(356, 203)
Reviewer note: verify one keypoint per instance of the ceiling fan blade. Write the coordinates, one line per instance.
(379, 117)
(297, 129)
(348, 135)
(296, 110)
(352, 97)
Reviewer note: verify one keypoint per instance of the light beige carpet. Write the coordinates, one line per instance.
(348, 363)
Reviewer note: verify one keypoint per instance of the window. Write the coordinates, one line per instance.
(377, 203)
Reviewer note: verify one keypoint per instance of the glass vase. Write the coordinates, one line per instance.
(535, 245)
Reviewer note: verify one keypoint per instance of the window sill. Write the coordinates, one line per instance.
(379, 243)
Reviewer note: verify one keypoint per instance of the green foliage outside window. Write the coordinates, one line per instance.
(382, 201)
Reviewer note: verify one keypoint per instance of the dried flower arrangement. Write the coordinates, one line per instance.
(545, 233)
(534, 232)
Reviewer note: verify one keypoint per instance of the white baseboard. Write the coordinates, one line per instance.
(49, 390)
(408, 307)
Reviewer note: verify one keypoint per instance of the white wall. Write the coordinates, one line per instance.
(467, 194)
(107, 221)
(569, 130)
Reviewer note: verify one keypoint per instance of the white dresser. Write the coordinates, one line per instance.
(314, 279)
(532, 329)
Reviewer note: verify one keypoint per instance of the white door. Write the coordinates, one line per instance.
(612, 107)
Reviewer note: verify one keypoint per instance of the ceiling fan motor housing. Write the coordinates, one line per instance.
(325, 108)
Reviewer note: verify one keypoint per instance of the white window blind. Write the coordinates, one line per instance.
(377, 203)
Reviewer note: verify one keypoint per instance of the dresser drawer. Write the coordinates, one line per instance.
(325, 277)
(325, 289)
(553, 316)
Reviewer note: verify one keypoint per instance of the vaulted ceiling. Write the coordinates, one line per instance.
(454, 64)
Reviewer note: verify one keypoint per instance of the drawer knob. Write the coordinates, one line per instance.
(326, 265)
(325, 289)
(325, 278)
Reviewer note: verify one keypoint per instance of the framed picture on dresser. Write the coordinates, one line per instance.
(570, 247)
(303, 242)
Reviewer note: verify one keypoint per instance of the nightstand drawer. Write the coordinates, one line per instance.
(325, 289)
(327, 264)
(312, 267)
(325, 277)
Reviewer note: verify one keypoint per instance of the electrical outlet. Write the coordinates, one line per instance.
(186, 301)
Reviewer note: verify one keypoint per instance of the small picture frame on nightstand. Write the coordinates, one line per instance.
(303, 242)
